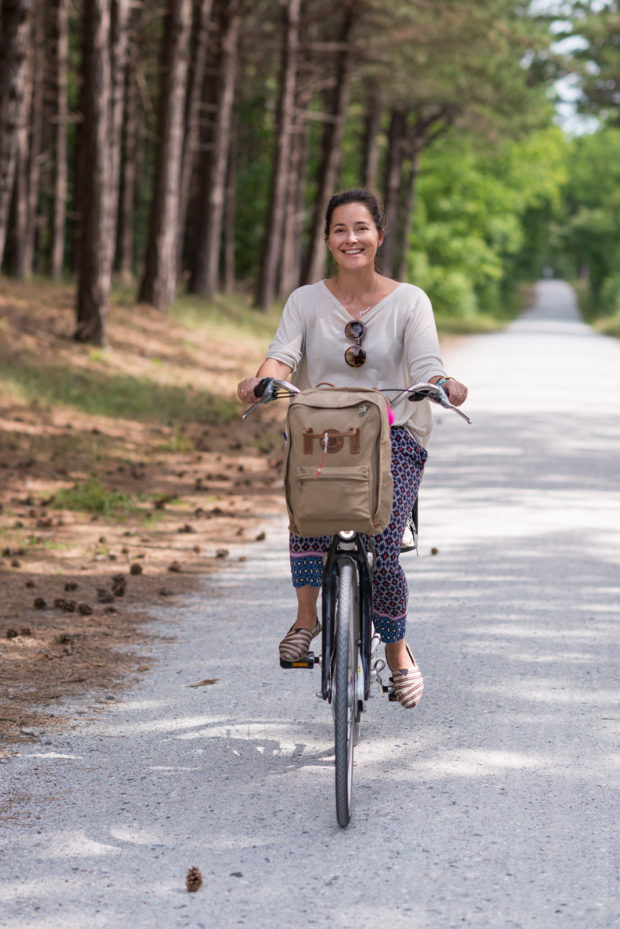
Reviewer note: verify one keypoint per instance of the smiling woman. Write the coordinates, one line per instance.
(353, 237)
(319, 339)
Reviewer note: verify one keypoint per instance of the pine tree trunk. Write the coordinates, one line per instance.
(35, 152)
(370, 163)
(420, 136)
(393, 182)
(160, 273)
(272, 247)
(228, 234)
(295, 214)
(94, 269)
(59, 201)
(205, 275)
(119, 50)
(409, 209)
(15, 26)
(332, 140)
(17, 234)
(127, 181)
(191, 141)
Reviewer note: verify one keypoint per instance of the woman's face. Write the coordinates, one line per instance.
(353, 237)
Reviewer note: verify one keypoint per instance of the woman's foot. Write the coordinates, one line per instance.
(295, 644)
(407, 677)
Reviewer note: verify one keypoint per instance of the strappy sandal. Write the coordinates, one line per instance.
(408, 684)
(295, 644)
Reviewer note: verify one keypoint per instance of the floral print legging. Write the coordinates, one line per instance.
(390, 592)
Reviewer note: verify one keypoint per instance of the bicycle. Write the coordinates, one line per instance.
(349, 667)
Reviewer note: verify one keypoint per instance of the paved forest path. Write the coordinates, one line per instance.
(493, 804)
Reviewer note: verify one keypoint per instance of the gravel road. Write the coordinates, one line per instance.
(493, 804)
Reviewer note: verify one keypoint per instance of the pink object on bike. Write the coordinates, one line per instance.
(390, 415)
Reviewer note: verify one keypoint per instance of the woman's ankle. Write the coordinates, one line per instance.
(306, 607)
(398, 656)
(306, 621)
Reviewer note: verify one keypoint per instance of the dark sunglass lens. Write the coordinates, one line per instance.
(355, 330)
(355, 356)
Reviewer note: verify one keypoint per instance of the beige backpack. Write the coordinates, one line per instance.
(337, 469)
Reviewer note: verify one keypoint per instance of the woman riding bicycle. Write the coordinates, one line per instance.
(359, 328)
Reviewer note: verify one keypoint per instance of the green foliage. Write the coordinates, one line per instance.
(502, 193)
(587, 235)
(470, 230)
(98, 392)
(597, 24)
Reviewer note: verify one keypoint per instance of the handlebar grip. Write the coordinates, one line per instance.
(259, 390)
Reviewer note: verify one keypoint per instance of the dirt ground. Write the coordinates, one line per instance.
(78, 586)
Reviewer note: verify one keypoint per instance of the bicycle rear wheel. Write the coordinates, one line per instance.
(345, 698)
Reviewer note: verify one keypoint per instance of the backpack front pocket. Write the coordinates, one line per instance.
(340, 494)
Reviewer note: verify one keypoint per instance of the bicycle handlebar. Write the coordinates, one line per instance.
(268, 389)
(272, 388)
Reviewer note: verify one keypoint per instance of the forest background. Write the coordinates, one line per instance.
(190, 146)
(164, 169)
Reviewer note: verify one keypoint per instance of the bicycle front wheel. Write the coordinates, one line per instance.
(344, 698)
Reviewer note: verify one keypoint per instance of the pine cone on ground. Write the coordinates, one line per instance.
(118, 585)
(193, 880)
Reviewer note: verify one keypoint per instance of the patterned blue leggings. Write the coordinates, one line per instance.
(390, 592)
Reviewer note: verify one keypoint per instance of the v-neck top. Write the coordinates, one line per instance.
(400, 342)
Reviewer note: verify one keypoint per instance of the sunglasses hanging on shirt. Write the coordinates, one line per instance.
(355, 356)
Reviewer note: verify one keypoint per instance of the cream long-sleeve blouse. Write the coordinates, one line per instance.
(400, 342)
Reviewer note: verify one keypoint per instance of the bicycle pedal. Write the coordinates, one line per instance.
(308, 662)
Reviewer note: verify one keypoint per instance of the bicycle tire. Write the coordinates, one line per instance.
(345, 700)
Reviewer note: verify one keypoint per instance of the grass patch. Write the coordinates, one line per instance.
(37, 544)
(227, 316)
(508, 307)
(93, 497)
(608, 325)
(474, 325)
(177, 443)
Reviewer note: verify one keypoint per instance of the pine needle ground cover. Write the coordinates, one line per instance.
(126, 479)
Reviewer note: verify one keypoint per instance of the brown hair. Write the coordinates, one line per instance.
(358, 195)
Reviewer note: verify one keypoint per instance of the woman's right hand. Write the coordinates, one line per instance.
(245, 389)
